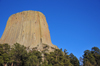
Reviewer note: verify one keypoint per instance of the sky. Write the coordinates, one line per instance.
(74, 24)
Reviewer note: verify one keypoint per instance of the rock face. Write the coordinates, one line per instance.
(28, 28)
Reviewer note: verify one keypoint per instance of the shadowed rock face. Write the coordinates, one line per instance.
(28, 28)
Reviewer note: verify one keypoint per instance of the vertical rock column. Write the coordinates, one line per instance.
(28, 28)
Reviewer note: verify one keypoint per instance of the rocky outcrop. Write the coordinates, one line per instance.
(28, 28)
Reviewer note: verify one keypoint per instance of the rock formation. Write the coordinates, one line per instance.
(28, 28)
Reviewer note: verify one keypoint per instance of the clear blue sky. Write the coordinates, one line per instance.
(74, 24)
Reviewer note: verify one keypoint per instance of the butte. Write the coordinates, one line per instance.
(28, 28)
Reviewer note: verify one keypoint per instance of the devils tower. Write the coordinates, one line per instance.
(28, 28)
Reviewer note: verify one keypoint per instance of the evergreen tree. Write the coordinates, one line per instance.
(57, 58)
(92, 58)
(74, 60)
(4, 53)
(18, 54)
(1, 57)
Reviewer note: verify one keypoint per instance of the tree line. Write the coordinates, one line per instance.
(18, 55)
(91, 57)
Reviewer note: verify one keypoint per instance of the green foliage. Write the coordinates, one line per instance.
(4, 53)
(57, 58)
(38, 54)
(34, 58)
(92, 58)
(46, 64)
(17, 55)
(6, 48)
(95, 50)
(87, 63)
(74, 60)
(1, 60)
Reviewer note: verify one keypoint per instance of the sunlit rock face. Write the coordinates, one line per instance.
(28, 28)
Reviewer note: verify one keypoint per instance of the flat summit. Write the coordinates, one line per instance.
(28, 28)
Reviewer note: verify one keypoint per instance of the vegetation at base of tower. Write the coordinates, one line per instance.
(18, 55)
(91, 58)
(74, 60)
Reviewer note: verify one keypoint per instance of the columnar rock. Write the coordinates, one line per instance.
(28, 28)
